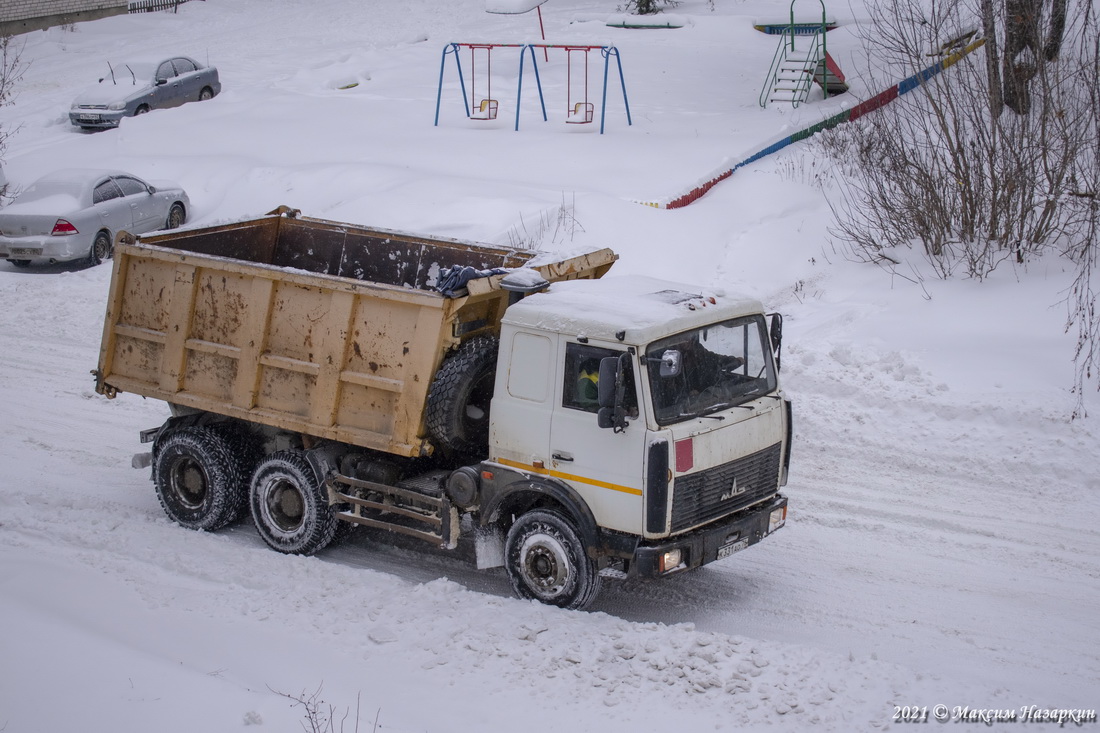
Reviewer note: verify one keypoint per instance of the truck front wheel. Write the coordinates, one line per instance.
(547, 562)
(198, 479)
(290, 506)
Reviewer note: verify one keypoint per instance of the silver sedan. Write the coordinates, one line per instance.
(134, 87)
(75, 214)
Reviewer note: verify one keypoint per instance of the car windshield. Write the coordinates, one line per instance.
(710, 369)
(129, 72)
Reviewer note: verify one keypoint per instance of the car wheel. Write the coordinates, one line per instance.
(546, 561)
(141, 110)
(176, 216)
(20, 263)
(100, 249)
(206, 94)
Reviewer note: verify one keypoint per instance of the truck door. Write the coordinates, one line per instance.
(519, 429)
(605, 467)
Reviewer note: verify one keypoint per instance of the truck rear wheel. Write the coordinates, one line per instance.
(458, 402)
(547, 562)
(290, 505)
(198, 479)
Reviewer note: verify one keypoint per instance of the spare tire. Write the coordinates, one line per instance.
(458, 401)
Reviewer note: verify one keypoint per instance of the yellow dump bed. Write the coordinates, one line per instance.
(327, 329)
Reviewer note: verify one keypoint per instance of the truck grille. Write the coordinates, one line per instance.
(707, 495)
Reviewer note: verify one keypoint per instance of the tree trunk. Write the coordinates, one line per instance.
(992, 59)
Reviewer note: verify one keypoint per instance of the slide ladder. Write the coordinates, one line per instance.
(793, 69)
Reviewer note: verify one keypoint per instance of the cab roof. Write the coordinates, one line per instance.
(641, 309)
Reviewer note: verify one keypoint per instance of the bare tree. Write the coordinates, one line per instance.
(1084, 313)
(942, 168)
(1027, 47)
(11, 71)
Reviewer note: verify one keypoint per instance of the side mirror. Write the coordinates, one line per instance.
(152, 190)
(672, 363)
(608, 382)
(775, 330)
(161, 82)
(611, 390)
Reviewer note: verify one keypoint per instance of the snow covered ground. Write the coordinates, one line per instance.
(942, 546)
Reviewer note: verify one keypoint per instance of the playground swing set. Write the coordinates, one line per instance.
(480, 104)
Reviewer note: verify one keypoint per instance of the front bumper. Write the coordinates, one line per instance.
(41, 249)
(704, 545)
(104, 118)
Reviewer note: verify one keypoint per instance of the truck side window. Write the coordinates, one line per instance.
(582, 374)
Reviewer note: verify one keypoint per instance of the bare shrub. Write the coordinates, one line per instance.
(989, 161)
(648, 7)
(321, 717)
(552, 227)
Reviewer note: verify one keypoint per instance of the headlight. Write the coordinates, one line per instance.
(670, 560)
(777, 519)
(116, 105)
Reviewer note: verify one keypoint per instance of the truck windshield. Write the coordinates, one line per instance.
(710, 369)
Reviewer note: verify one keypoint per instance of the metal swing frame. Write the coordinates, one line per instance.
(608, 52)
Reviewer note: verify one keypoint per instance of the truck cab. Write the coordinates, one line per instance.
(674, 460)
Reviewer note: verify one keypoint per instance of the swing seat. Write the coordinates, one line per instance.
(581, 114)
(487, 110)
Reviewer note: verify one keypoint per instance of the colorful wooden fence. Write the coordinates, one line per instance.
(868, 105)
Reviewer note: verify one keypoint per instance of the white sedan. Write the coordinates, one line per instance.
(75, 214)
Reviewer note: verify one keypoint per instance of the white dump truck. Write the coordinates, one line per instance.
(322, 375)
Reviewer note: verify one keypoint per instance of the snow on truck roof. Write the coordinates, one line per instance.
(644, 308)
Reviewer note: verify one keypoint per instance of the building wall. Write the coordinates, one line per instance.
(22, 16)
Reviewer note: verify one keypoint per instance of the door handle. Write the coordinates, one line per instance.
(559, 456)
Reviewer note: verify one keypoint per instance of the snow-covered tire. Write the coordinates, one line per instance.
(246, 452)
(457, 415)
(290, 506)
(199, 480)
(547, 562)
(100, 249)
(176, 216)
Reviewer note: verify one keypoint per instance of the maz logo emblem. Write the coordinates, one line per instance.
(733, 491)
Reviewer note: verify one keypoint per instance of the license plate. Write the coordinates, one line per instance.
(727, 550)
(88, 118)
